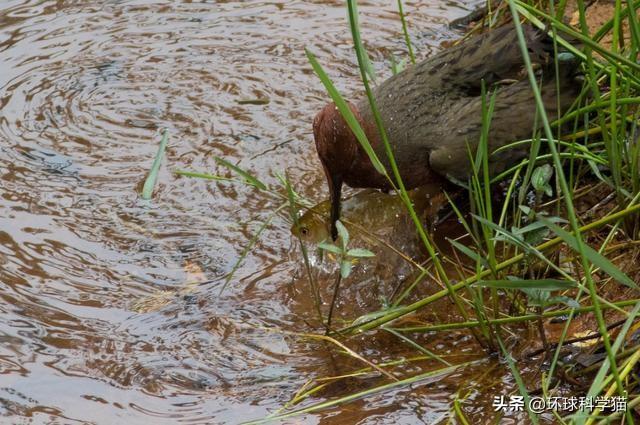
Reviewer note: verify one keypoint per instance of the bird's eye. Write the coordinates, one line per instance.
(304, 231)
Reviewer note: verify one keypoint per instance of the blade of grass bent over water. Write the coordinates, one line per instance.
(253, 181)
(545, 284)
(351, 397)
(249, 247)
(512, 319)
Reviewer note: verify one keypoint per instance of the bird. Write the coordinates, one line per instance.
(432, 113)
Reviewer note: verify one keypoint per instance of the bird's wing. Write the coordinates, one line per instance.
(514, 119)
(493, 56)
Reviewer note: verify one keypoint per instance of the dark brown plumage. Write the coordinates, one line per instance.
(432, 112)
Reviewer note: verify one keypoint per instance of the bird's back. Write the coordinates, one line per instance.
(432, 110)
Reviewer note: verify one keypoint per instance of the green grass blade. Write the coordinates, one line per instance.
(594, 256)
(520, 383)
(405, 31)
(469, 252)
(242, 173)
(150, 182)
(542, 284)
(207, 176)
(514, 319)
(418, 347)
(355, 396)
(247, 249)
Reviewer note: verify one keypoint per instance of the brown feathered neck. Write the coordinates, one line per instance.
(340, 152)
(342, 157)
(337, 147)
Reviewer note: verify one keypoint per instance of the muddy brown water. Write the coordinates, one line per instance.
(85, 87)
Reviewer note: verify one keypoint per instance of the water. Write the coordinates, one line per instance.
(85, 88)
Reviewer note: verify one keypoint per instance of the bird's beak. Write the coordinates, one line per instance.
(335, 191)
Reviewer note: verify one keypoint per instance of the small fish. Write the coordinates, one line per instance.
(370, 210)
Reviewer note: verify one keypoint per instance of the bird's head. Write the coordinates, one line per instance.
(337, 149)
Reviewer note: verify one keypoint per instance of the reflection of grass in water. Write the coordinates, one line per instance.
(511, 249)
(194, 276)
(154, 302)
(161, 298)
